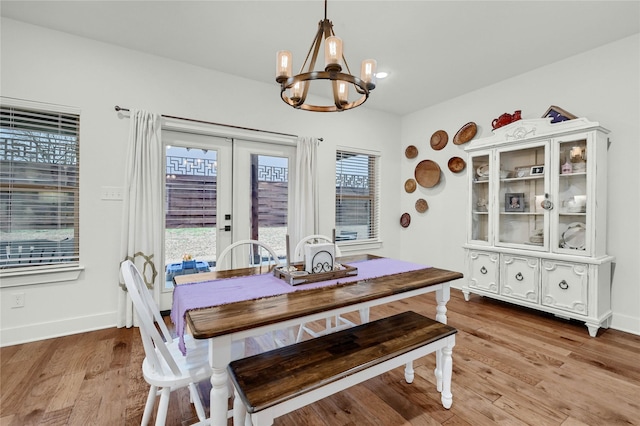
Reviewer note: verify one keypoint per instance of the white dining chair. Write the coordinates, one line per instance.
(164, 368)
(333, 323)
(247, 253)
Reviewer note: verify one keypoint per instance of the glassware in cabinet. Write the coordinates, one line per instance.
(523, 184)
(480, 199)
(572, 200)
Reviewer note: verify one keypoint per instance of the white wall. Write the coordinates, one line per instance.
(602, 85)
(47, 66)
(53, 67)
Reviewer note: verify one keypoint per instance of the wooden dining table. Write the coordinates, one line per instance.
(229, 322)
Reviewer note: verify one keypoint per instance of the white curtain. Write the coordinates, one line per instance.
(142, 227)
(305, 192)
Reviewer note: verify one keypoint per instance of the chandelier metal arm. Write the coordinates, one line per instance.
(362, 88)
(316, 49)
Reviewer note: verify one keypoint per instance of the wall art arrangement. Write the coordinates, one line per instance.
(427, 172)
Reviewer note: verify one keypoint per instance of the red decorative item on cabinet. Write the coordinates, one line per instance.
(505, 119)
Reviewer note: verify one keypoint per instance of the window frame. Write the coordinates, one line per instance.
(48, 272)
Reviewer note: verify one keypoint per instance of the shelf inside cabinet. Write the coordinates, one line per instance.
(569, 175)
(514, 179)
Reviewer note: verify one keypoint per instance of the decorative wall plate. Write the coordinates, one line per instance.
(456, 164)
(439, 139)
(421, 205)
(410, 185)
(466, 133)
(411, 151)
(405, 220)
(483, 171)
(427, 173)
(575, 236)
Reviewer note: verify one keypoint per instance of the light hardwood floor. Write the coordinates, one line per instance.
(512, 366)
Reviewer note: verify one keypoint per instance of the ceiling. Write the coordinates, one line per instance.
(433, 50)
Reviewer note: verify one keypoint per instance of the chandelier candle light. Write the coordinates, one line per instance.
(294, 88)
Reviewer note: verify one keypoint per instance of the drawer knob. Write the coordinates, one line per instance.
(563, 285)
(483, 270)
(519, 276)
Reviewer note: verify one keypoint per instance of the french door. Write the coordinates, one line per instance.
(218, 191)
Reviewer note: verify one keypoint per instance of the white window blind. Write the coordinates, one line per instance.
(357, 196)
(39, 188)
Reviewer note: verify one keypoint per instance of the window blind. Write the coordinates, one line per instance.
(357, 196)
(39, 188)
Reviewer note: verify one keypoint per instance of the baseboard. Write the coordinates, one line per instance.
(620, 322)
(49, 330)
(625, 323)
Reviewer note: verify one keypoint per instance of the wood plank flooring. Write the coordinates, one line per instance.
(512, 366)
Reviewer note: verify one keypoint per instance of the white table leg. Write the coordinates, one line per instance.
(442, 297)
(219, 358)
(364, 315)
(408, 372)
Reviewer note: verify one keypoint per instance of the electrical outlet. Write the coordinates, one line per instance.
(18, 300)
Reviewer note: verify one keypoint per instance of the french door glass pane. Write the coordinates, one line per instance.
(269, 200)
(190, 210)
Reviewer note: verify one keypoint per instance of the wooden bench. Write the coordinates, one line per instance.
(273, 383)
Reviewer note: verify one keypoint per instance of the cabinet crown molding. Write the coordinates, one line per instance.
(535, 128)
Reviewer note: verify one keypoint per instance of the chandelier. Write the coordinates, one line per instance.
(294, 88)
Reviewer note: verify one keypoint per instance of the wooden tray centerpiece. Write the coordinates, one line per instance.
(294, 274)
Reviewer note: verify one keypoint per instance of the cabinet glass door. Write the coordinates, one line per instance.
(572, 205)
(480, 232)
(523, 185)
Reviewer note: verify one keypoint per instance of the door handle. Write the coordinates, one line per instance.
(226, 228)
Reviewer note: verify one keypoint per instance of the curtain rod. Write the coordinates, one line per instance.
(118, 108)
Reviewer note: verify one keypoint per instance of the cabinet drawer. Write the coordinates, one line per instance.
(565, 286)
(519, 277)
(483, 270)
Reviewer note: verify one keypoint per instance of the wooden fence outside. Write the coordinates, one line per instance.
(191, 202)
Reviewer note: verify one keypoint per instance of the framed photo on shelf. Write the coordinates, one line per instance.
(536, 170)
(514, 202)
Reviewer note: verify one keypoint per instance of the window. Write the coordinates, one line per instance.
(357, 196)
(39, 162)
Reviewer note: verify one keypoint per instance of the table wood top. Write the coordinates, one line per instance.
(238, 316)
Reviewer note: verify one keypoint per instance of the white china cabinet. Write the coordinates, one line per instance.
(537, 221)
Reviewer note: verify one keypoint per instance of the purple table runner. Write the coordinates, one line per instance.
(206, 294)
